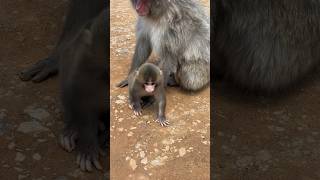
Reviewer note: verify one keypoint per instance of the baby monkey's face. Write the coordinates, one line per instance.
(149, 86)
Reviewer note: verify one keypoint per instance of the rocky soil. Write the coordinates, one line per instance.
(30, 114)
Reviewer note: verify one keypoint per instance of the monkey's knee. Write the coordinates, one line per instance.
(194, 78)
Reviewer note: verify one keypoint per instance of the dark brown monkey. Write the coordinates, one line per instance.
(81, 58)
(83, 76)
(148, 81)
(79, 13)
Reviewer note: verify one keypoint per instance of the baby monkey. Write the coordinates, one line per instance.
(148, 82)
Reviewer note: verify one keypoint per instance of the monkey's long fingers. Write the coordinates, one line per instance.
(64, 142)
(40, 71)
(27, 74)
(123, 83)
(68, 141)
(42, 75)
(97, 164)
(86, 161)
(73, 141)
(164, 123)
(83, 162)
(88, 164)
(137, 113)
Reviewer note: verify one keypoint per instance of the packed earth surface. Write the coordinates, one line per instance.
(142, 149)
(30, 113)
(273, 137)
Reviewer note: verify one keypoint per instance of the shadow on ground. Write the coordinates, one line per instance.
(30, 114)
(261, 137)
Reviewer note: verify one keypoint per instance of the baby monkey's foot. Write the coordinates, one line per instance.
(137, 112)
(163, 121)
(136, 109)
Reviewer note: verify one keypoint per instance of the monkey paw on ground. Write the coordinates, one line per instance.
(68, 140)
(136, 109)
(88, 160)
(163, 121)
(40, 71)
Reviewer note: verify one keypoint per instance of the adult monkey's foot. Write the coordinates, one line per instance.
(40, 71)
(68, 140)
(88, 159)
(123, 83)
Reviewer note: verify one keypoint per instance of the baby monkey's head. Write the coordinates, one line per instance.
(150, 77)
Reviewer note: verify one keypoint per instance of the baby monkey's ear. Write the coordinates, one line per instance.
(160, 73)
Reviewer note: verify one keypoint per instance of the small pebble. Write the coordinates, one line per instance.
(36, 156)
(133, 164)
(182, 152)
(20, 157)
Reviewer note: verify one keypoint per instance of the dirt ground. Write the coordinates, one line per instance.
(257, 137)
(260, 137)
(141, 148)
(30, 114)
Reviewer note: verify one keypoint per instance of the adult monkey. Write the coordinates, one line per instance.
(179, 32)
(84, 86)
(82, 52)
(267, 44)
(80, 12)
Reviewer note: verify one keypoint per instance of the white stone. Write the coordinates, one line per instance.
(182, 152)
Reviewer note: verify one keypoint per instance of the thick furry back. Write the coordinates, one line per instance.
(267, 44)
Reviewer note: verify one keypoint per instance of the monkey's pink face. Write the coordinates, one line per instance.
(149, 87)
(142, 7)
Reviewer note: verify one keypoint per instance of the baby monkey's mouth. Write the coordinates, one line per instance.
(149, 87)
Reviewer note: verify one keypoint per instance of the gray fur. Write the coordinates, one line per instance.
(267, 45)
(178, 31)
(136, 81)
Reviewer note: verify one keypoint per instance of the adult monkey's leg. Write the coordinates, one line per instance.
(80, 11)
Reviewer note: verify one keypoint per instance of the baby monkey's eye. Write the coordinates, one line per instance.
(149, 84)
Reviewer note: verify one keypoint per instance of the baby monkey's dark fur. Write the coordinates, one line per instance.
(148, 81)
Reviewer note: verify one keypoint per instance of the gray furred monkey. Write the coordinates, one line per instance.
(148, 81)
(266, 45)
(179, 33)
